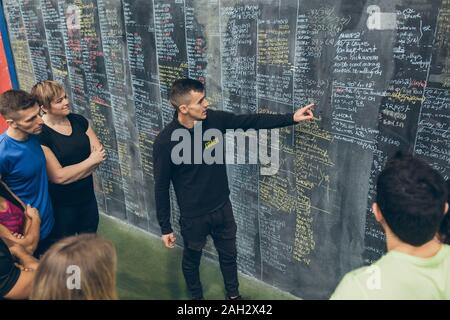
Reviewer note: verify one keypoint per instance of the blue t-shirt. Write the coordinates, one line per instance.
(23, 169)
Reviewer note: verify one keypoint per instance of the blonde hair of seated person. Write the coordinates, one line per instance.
(80, 267)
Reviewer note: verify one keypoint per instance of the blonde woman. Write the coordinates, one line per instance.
(77, 268)
(72, 152)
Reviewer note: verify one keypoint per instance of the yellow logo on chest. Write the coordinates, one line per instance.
(211, 143)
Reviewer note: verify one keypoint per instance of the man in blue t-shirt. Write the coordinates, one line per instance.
(22, 161)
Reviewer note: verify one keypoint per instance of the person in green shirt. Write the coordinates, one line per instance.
(410, 205)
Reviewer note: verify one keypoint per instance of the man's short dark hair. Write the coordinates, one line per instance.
(181, 88)
(444, 231)
(412, 197)
(12, 101)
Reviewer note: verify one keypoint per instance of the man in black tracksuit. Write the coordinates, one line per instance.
(202, 189)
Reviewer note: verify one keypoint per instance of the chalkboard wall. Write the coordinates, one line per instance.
(379, 72)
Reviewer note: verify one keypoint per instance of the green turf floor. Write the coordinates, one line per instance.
(146, 270)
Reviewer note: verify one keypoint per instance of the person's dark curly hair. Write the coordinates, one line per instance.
(412, 197)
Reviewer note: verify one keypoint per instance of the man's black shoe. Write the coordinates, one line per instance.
(239, 297)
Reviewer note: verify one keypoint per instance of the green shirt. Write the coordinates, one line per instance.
(399, 276)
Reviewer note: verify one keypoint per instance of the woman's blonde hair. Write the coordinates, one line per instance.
(92, 256)
(45, 91)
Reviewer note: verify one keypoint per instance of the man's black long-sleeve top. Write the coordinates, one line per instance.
(199, 188)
